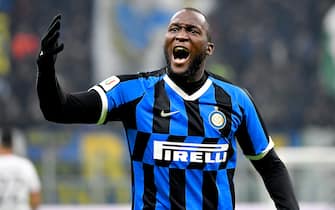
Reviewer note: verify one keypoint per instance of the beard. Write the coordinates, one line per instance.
(193, 67)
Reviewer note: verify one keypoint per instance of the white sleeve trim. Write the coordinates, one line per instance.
(104, 101)
(262, 154)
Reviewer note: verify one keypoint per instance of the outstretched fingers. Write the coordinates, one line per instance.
(50, 45)
(54, 28)
(53, 39)
(57, 18)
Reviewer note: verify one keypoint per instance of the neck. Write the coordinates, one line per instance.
(5, 151)
(188, 86)
(193, 73)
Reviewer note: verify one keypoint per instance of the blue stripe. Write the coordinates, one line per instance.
(179, 120)
(225, 199)
(163, 189)
(131, 136)
(206, 107)
(193, 189)
(138, 185)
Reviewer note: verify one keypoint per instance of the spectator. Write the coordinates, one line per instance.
(19, 183)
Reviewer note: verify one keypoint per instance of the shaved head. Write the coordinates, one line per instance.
(187, 44)
(204, 19)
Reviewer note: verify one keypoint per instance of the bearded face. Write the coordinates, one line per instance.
(186, 44)
(194, 64)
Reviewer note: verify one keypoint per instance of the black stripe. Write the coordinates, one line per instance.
(177, 189)
(162, 102)
(149, 194)
(230, 153)
(243, 138)
(224, 104)
(140, 146)
(195, 122)
(156, 73)
(209, 191)
(126, 113)
(202, 165)
(242, 133)
(230, 175)
(171, 138)
(132, 183)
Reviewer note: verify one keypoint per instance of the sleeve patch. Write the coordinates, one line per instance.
(110, 83)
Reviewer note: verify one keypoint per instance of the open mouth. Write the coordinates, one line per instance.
(180, 54)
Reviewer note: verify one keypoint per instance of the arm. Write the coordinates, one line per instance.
(276, 180)
(257, 145)
(35, 200)
(34, 185)
(57, 105)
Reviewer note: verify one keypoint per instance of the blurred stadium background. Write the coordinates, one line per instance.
(281, 51)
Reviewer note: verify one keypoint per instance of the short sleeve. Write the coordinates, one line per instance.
(105, 89)
(33, 180)
(115, 92)
(252, 135)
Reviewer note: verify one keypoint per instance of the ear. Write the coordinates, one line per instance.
(210, 48)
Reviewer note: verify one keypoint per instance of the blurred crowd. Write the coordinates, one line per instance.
(272, 48)
(28, 22)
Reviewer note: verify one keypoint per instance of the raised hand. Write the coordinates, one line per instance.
(50, 46)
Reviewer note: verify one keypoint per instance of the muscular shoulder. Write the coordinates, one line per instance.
(141, 79)
(238, 95)
(144, 75)
(226, 85)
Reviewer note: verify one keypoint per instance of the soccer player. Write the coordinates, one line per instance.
(182, 122)
(19, 183)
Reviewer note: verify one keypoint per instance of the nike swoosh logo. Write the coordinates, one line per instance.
(168, 114)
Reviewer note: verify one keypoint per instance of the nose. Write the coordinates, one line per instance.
(182, 35)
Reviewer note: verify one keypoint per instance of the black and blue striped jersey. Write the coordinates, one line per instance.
(183, 147)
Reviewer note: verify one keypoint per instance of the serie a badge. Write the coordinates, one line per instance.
(217, 119)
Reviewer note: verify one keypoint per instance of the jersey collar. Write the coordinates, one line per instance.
(183, 94)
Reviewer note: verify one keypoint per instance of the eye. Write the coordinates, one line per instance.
(173, 29)
(193, 30)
